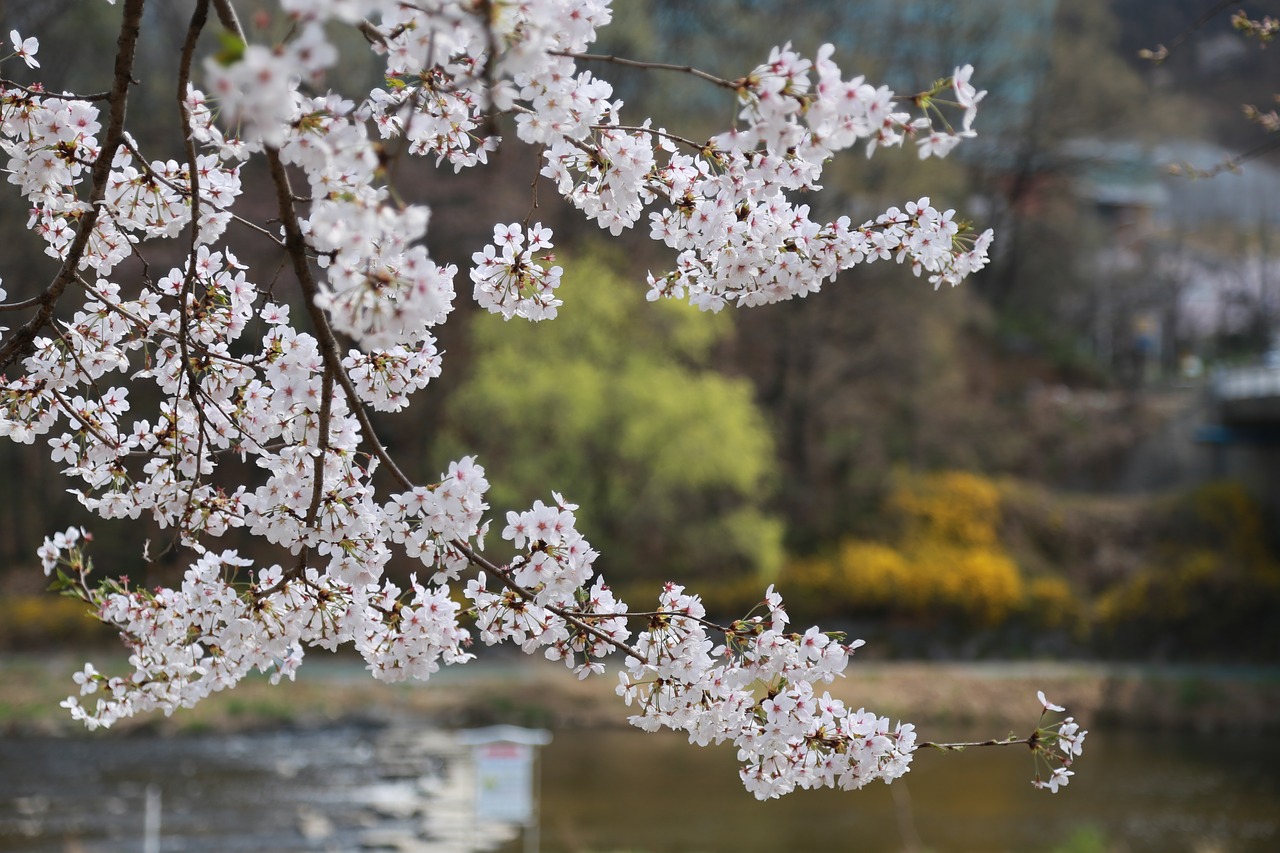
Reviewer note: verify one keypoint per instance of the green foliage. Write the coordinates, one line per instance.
(232, 49)
(615, 405)
(1086, 839)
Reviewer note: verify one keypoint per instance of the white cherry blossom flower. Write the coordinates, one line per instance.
(25, 49)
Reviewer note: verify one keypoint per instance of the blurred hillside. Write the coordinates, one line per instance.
(914, 464)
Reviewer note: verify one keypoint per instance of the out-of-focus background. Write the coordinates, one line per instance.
(1073, 456)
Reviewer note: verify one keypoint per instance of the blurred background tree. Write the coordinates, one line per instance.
(615, 403)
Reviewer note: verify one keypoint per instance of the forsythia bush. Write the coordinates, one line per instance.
(1050, 603)
(954, 507)
(1203, 578)
(947, 558)
(39, 621)
(1216, 588)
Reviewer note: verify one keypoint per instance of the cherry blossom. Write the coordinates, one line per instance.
(25, 49)
(210, 397)
(510, 280)
(1048, 706)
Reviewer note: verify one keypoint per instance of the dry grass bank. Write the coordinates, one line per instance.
(995, 696)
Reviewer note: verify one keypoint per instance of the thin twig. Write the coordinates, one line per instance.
(85, 424)
(958, 747)
(1228, 165)
(256, 227)
(199, 17)
(670, 614)
(41, 93)
(734, 85)
(653, 131)
(19, 306)
(1161, 52)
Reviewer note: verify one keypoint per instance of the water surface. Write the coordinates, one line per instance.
(337, 789)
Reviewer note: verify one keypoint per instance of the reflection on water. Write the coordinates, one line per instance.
(218, 793)
(349, 789)
(1160, 793)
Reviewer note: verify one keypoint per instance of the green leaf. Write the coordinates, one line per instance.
(231, 50)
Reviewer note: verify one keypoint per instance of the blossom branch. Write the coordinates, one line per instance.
(368, 330)
(126, 46)
(1030, 740)
(569, 616)
(296, 246)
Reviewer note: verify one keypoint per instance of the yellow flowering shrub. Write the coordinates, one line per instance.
(946, 558)
(982, 583)
(37, 621)
(1214, 585)
(954, 506)
(872, 575)
(1050, 603)
(1191, 574)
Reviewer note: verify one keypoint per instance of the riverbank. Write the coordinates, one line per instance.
(999, 696)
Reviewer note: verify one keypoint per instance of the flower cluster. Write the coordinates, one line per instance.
(429, 521)
(542, 601)
(756, 690)
(209, 400)
(510, 280)
(1056, 747)
(52, 142)
(206, 635)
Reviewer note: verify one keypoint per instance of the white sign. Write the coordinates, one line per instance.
(504, 782)
(504, 762)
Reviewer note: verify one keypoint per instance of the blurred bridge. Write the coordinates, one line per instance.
(1243, 405)
(1247, 398)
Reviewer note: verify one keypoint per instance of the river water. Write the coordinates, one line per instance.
(348, 789)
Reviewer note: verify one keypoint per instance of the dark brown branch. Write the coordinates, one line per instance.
(126, 45)
(734, 85)
(317, 468)
(504, 578)
(41, 93)
(227, 16)
(296, 247)
(198, 19)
